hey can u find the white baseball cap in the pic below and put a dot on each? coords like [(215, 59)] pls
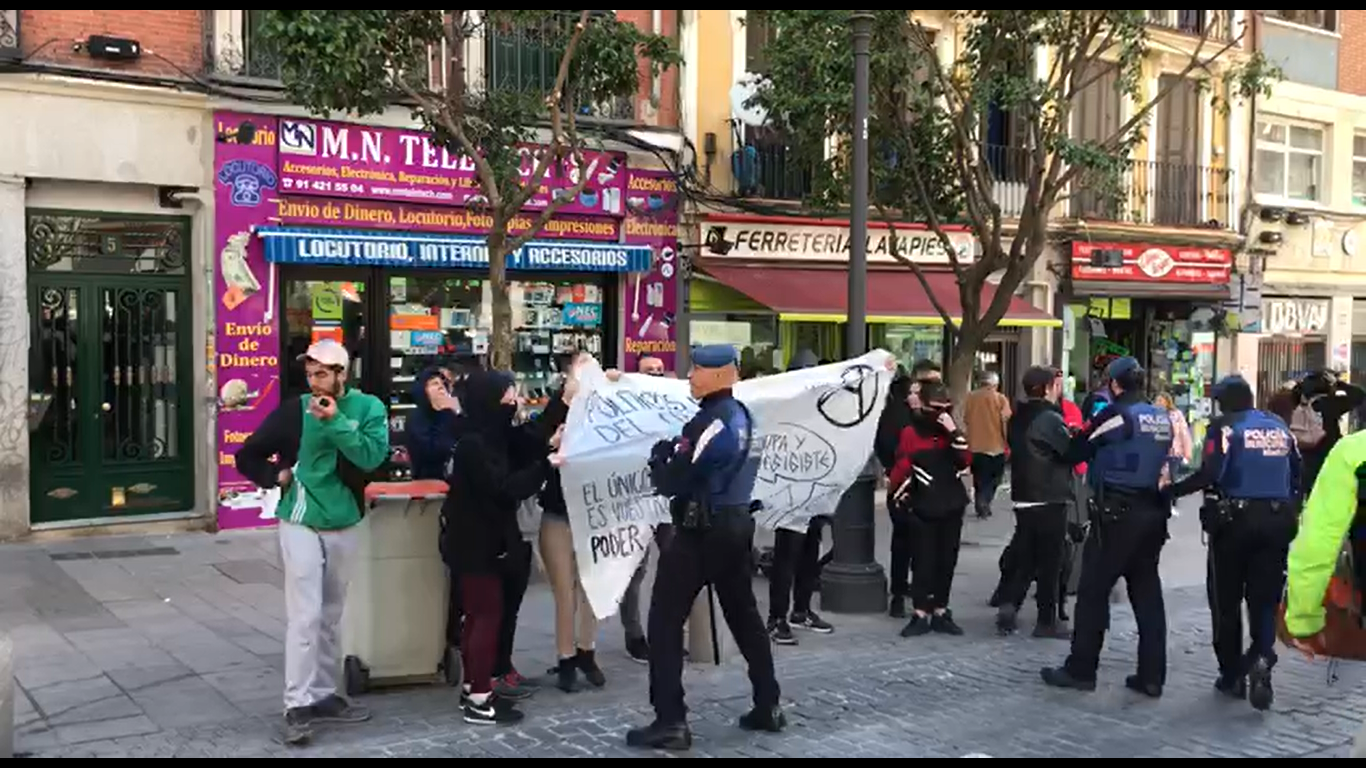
[(328, 352)]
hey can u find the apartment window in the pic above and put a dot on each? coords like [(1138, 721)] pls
[(1289, 161), (1324, 20), (1359, 171), (759, 32)]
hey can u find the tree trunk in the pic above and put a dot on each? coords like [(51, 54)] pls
[(500, 334), (958, 376)]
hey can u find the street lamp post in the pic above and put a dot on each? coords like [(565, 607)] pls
[(854, 582)]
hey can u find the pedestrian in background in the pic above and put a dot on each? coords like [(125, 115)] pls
[(985, 414), (1180, 456)]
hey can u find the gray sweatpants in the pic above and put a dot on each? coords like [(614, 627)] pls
[(317, 571), (1359, 746)]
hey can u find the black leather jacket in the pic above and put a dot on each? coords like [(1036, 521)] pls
[(1040, 470)]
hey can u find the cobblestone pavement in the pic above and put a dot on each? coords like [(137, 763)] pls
[(170, 647)]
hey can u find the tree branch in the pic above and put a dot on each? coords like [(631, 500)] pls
[(915, 267)]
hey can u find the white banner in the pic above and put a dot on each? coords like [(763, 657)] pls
[(815, 428)]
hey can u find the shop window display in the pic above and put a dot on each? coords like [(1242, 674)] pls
[(322, 309)]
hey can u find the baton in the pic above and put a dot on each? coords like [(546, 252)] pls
[(711, 613)]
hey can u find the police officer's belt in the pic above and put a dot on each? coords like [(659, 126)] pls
[(1259, 505)]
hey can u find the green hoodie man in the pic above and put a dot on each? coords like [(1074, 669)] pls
[(318, 449), (1325, 524)]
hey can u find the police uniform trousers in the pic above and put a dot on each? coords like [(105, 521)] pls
[(721, 556), (1246, 563), (1128, 545)]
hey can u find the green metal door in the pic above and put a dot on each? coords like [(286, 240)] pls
[(110, 362)]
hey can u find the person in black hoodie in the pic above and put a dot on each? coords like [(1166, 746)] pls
[(796, 565), (430, 433), (1040, 487), (902, 399), (488, 480)]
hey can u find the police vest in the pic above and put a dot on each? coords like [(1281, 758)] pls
[(1137, 462), (733, 483), (1257, 450)]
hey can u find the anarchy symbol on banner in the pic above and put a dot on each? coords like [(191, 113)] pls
[(851, 403)]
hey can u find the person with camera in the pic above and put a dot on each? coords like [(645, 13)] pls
[(928, 494), (708, 473), (1040, 487), (319, 450)]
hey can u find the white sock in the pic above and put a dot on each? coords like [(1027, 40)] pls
[(466, 687), (479, 699)]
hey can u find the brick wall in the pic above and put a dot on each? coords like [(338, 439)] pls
[(1352, 52), (172, 41), (665, 113)]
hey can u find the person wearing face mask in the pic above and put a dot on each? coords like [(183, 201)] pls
[(488, 480), (927, 490), (319, 449), (902, 403)]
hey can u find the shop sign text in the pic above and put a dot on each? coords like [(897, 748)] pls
[(806, 242), (1294, 316), (1148, 263)]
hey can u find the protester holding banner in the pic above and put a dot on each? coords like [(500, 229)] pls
[(637, 646), (927, 492), (576, 628), (487, 482), (796, 565), (709, 474)]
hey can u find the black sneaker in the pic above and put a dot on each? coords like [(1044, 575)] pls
[(943, 624), (781, 632), (1005, 620), (588, 665), (1232, 687), (494, 711), (335, 709), (1059, 677), (676, 737), (917, 626), (1057, 630), (769, 719), (567, 674), (299, 726), (513, 687), (1136, 684), (898, 607), (1259, 692), (638, 649), (812, 621)]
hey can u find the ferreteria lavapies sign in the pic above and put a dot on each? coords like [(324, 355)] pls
[(800, 239)]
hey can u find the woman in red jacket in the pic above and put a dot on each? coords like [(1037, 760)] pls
[(925, 481)]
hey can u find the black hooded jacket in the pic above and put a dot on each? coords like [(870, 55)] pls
[(430, 435), (493, 468), (1040, 446)]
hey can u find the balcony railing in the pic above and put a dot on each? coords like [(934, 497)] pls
[(1219, 23), (767, 171), (1161, 194), (1010, 174), (9, 36), (528, 59)]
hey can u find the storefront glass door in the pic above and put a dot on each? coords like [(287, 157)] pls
[(111, 419)]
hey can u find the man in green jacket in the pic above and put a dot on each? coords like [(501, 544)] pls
[(1324, 526), (317, 449)]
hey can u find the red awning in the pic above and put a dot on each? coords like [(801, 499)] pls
[(893, 295)]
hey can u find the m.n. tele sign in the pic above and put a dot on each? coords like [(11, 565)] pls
[(784, 238), (1146, 263)]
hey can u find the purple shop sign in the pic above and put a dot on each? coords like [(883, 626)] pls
[(355, 161), (245, 347), (651, 300)]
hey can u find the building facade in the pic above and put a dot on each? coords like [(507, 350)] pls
[(169, 216), (1306, 279), (1147, 274)]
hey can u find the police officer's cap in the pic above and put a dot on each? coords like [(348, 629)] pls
[(1231, 384), (1123, 366), (715, 356)]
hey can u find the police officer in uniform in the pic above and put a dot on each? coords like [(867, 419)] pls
[(1127, 445), (708, 473), (1250, 474)]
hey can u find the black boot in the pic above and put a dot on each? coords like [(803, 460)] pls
[(1259, 691), (567, 674), (898, 607), (770, 719), (588, 665), (659, 735)]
